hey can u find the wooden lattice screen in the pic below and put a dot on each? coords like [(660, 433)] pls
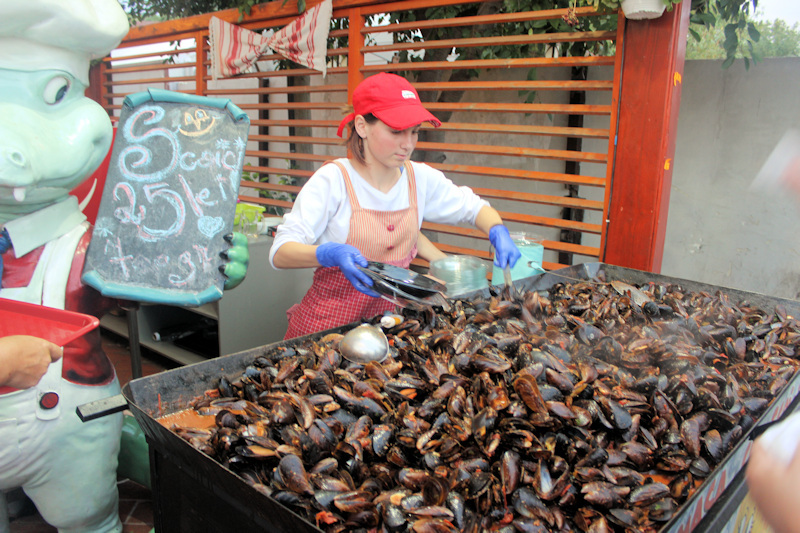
[(533, 135)]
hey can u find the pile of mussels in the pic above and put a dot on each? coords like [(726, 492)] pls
[(590, 407)]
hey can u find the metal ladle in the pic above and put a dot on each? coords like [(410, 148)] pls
[(364, 344)]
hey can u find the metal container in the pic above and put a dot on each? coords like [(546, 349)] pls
[(461, 274), (194, 493)]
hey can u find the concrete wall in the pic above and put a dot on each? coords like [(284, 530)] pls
[(719, 231)]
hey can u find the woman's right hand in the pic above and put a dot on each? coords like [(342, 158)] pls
[(348, 259)]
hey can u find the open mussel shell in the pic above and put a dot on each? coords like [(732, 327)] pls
[(364, 344)]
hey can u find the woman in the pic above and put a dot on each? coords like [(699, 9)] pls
[(371, 206)]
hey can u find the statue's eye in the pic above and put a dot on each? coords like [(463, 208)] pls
[(55, 90)]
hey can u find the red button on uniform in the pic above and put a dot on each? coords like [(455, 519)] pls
[(390, 247), (390, 227), (48, 400)]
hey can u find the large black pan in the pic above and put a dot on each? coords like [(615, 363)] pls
[(177, 466)]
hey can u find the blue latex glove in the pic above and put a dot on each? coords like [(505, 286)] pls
[(346, 257), (506, 252)]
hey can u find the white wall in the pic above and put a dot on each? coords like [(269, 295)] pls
[(719, 231)]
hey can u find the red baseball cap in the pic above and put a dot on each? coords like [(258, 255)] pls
[(392, 99)]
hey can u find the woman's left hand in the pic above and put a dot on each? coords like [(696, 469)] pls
[(506, 252)]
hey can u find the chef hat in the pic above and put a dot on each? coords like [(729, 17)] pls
[(59, 34)]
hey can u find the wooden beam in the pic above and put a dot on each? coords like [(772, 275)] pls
[(652, 69), (355, 60), (200, 61), (95, 89)]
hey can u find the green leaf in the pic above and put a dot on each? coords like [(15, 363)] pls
[(728, 61), (301, 6), (695, 35), (731, 39), (708, 19), (755, 35)]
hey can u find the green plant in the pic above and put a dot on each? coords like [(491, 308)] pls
[(739, 28)]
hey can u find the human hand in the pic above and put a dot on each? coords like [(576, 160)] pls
[(506, 252), (773, 487), (347, 258), (25, 359), (780, 173), (237, 257)]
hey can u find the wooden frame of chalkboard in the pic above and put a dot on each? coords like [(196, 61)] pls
[(169, 198)]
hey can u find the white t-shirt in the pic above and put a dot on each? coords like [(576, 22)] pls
[(322, 210)]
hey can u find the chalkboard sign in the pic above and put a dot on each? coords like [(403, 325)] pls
[(169, 198)]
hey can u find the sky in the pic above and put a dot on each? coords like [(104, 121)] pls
[(788, 10)]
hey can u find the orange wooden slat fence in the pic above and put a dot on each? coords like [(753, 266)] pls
[(506, 130)]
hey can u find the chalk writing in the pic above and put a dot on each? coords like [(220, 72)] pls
[(145, 145), (169, 197)]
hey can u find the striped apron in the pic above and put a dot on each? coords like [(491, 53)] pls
[(384, 236)]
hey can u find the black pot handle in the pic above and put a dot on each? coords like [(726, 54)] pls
[(98, 408)]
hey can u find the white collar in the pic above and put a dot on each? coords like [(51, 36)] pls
[(40, 227)]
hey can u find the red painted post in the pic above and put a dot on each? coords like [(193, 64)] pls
[(648, 119)]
